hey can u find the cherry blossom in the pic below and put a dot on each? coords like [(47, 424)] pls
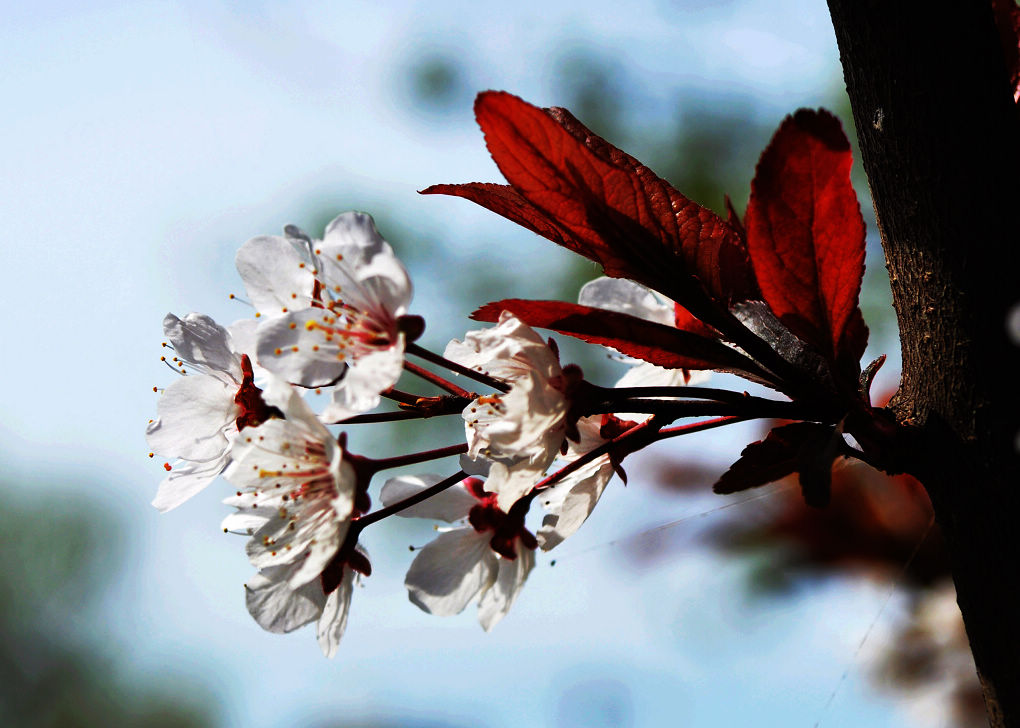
[(278, 607), (200, 414), (488, 560), (277, 274), (296, 490), (519, 432), (339, 316)]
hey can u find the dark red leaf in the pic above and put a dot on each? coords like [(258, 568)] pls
[(585, 194), (805, 234), (852, 345), (733, 218), (801, 447), (685, 321), (503, 200), (652, 342)]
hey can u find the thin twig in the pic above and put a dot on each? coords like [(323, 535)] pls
[(458, 368), (361, 523), (398, 396), (437, 380), (698, 426), (418, 457)]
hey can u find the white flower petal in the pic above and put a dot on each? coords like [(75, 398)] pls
[(451, 571), (498, 599), (278, 608), (371, 276), (365, 379), (571, 501), (506, 351), (311, 545), (195, 414), (294, 474), (242, 337), (333, 622), (185, 480), (246, 522), (204, 344), (520, 432), (475, 466), (293, 348), (644, 374), (275, 275), (511, 480), (526, 422), (625, 296), (450, 505)]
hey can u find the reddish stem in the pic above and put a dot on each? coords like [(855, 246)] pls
[(360, 524), (458, 368), (417, 457), (592, 455), (699, 426), (437, 380), (398, 396), (375, 417)]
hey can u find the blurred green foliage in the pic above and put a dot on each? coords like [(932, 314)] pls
[(60, 553)]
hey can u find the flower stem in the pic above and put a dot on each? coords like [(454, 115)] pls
[(458, 368), (361, 523), (375, 417), (418, 457), (592, 455), (698, 426), (630, 434), (398, 396), (437, 380), (746, 407), (719, 395)]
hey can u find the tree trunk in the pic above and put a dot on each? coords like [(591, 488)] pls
[(940, 140)]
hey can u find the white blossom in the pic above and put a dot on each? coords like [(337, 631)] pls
[(519, 432), (337, 318), (485, 561), (295, 492), (199, 414), (278, 607)]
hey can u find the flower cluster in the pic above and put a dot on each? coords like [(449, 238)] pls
[(687, 293)]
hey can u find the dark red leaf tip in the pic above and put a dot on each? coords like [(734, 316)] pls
[(824, 126)]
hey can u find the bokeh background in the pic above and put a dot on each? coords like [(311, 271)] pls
[(143, 142)]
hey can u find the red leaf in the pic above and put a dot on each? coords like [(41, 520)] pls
[(503, 200), (804, 447), (685, 321), (733, 218), (805, 234), (661, 345), (581, 192)]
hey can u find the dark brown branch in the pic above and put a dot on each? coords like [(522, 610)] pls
[(940, 141)]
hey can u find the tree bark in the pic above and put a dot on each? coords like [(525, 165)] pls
[(940, 140)]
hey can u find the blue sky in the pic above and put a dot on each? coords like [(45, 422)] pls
[(144, 142)]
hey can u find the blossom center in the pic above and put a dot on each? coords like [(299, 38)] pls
[(253, 410), (507, 528)]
